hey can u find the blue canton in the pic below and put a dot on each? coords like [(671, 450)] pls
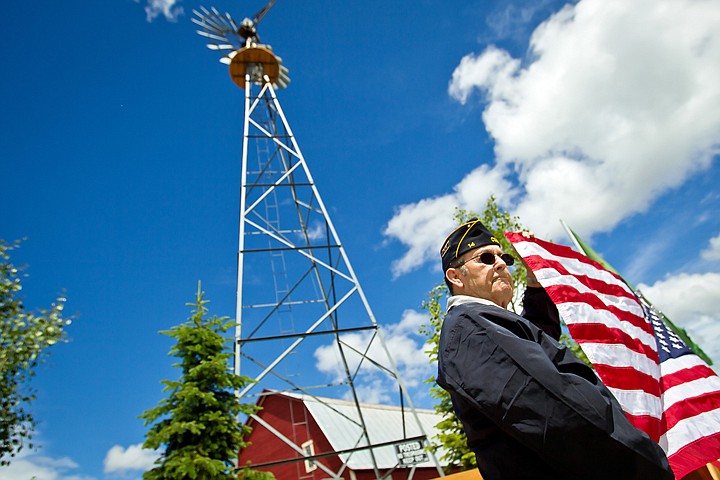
[(669, 345)]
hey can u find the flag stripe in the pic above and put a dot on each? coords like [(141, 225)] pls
[(691, 406), (695, 452), (598, 333), (637, 402), (687, 362), (693, 388), (568, 294), (686, 375), (628, 378), (620, 356), (646, 423)]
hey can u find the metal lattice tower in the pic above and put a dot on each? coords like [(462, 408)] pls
[(299, 302)]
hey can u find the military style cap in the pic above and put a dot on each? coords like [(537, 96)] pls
[(468, 236)]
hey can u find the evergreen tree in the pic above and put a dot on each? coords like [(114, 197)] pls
[(451, 436), (24, 340), (198, 424)]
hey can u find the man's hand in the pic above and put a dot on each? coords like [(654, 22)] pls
[(532, 281)]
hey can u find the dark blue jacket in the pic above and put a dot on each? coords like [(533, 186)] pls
[(529, 407)]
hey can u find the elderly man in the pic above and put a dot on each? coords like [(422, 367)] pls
[(530, 409)]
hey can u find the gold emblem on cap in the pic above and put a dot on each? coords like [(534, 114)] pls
[(494, 239), (471, 244)]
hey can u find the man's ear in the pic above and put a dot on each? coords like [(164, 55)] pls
[(452, 276)]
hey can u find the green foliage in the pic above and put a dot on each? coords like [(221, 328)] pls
[(574, 347), (197, 424), (451, 436), (24, 339), (248, 474)]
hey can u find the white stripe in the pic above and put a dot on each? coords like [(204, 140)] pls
[(693, 388), (672, 365), (637, 402), (573, 266), (618, 355), (689, 430), (550, 277), (579, 313)]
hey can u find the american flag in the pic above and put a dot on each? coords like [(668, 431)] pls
[(663, 387)]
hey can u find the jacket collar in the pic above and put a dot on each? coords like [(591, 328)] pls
[(456, 300)]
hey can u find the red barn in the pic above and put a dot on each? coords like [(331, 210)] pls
[(330, 432)]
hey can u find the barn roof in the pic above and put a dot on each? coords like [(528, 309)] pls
[(339, 422)]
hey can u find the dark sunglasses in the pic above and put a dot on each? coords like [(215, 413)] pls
[(488, 258)]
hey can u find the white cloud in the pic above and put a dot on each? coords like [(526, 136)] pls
[(615, 106), (510, 20), (168, 8), (27, 465), (402, 339), (713, 250), (422, 226), (134, 457), (690, 301), (316, 231)]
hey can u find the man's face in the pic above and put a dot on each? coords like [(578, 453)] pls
[(491, 282)]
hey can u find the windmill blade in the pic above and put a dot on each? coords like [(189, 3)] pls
[(259, 15), (212, 36), (222, 46), (221, 19), (206, 21), (228, 58), (209, 30), (232, 22), (212, 20)]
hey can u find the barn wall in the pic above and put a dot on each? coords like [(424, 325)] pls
[(289, 416)]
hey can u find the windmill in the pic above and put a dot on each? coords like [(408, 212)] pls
[(299, 304)]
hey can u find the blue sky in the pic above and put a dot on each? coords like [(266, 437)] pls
[(121, 156)]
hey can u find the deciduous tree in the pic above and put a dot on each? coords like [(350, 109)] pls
[(24, 340)]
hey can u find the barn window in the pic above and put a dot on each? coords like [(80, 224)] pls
[(308, 449)]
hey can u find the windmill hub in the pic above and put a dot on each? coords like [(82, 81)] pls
[(257, 60)]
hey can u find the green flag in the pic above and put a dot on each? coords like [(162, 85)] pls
[(586, 250)]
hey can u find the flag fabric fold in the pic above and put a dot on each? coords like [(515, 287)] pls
[(664, 388)]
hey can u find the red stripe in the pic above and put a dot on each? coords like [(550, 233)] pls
[(691, 406), (647, 424), (695, 455), (627, 378), (564, 293), (599, 333), (686, 375)]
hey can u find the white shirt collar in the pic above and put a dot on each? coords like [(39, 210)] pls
[(456, 300)]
